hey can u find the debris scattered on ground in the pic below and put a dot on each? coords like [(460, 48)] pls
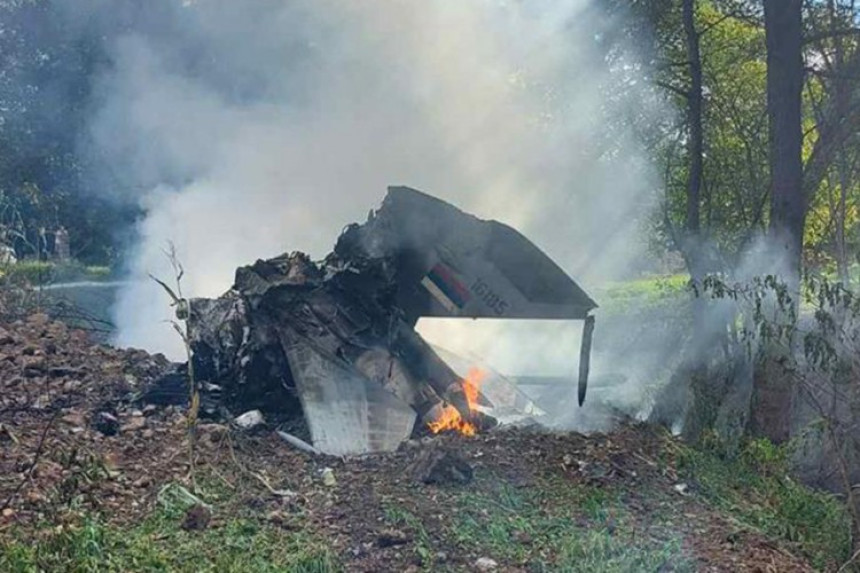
[(298, 443), (376, 517), (250, 419), (391, 538), (439, 466), (333, 343), (486, 564), (327, 476)]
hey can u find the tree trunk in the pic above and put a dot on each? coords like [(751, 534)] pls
[(695, 144), (783, 31), (772, 388), (841, 208), (841, 94)]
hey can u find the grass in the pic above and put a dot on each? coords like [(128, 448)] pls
[(552, 527), (643, 293), (45, 272), (551, 524), (596, 550), (242, 543), (755, 488)]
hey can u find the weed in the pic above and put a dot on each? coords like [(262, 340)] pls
[(584, 527), (598, 550), (159, 544), (396, 515), (755, 488)]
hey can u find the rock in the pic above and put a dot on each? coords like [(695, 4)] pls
[(250, 419), (142, 482), (5, 337), (35, 497), (328, 478), (134, 424), (75, 419), (197, 518), (35, 367), (106, 423), (60, 371), (38, 319), (486, 564), (71, 385), (6, 435), (392, 537)]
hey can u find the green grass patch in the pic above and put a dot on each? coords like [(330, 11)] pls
[(597, 550), (239, 544), (554, 526), (44, 273), (755, 488), (643, 293)]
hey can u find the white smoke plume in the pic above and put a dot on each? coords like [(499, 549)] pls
[(257, 127)]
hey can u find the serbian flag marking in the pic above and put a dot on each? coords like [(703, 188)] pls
[(444, 286)]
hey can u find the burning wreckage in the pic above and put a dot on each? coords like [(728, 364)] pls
[(334, 342)]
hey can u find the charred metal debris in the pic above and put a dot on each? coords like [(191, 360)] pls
[(334, 343)]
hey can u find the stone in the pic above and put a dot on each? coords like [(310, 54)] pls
[(250, 419), (106, 423), (134, 424), (391, 537), (328, 478)]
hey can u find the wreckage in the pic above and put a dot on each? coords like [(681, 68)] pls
[(335, 343)]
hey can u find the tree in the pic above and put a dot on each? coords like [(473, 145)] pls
[(788, 203)]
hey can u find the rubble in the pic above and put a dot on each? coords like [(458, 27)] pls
[(327, 476), (249, 420), (486, 564), (333, 343), (298, 443), (438, 466)]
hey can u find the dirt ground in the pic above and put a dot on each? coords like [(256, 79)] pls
[(75, 441)]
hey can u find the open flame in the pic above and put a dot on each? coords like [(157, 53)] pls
[(450, 418)]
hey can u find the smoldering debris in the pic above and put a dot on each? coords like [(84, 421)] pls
[(334, 343)]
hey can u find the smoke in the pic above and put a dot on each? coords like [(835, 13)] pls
[(249, 129)]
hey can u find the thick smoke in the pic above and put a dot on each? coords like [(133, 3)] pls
[(249, 129)]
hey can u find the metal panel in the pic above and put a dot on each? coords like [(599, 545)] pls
[(347, 413)]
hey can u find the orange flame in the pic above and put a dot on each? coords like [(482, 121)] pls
[(450, 418)]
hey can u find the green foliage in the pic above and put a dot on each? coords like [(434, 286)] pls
[(159, 544), (44, 273), (643, 293), (598, 550), (558, 526), (585, 528), (754, 487)]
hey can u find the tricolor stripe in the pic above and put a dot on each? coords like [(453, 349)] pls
[(444, 286)]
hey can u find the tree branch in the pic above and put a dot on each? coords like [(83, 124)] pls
[(676, 90)]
